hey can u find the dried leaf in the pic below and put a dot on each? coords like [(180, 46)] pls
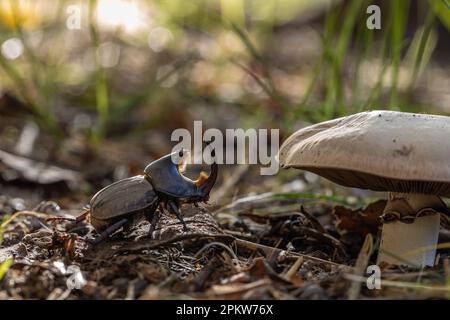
[(360, 221)]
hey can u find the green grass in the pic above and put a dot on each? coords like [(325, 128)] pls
[(316, 196), (334, 88), (4, 266), (399, 20), (2, 227), (37, 80), (423, 48), (101, 84)]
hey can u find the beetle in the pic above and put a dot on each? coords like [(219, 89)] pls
[(161, 186)]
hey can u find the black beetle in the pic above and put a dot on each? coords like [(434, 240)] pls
[(161, 186)]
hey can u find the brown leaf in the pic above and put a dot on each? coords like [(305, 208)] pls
[(360, 221)]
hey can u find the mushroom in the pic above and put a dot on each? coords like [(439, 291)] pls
[(405, 154)]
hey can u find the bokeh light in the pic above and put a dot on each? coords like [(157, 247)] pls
[(128, 16), (12, 48)]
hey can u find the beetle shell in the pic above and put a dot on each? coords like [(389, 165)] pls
[(120, 199)]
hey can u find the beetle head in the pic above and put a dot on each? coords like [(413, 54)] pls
[(166, 176)]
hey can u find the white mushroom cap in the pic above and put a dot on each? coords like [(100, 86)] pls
[(377, 150)]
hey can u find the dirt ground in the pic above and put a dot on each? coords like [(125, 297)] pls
[(256, 248)]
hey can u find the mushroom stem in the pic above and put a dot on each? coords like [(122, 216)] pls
[(411, 229)]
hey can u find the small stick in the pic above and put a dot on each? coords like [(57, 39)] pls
[(23, 213), (294, 268), (312, 219), (270, 250), (183, 237), (360, 266), (220, 244)]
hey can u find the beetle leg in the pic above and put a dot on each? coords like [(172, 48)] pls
[(108, 231), (174, 207), (154, 221)]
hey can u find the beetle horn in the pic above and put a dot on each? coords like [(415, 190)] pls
[(211, 180)]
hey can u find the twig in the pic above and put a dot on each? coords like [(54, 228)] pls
[(23, 213), (292, 270), (271, 250), (360, 266), (312, 219), (171, 241), (220, 244), (245, 199), (207, 271), (323, 237)]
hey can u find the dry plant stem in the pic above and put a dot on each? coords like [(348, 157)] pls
[(270, 251), (360, 266), (312, 219), (220, 244), (23, 213), (291, 272), (323, 237), (206, 273), (148, 245)]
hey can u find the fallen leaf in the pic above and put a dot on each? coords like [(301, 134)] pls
[(360, 221)]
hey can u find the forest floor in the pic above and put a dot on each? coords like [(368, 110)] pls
[(258, 247)]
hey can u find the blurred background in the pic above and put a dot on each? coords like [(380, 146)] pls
[(90, 91)]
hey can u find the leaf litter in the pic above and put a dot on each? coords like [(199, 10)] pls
[(303, 252)]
